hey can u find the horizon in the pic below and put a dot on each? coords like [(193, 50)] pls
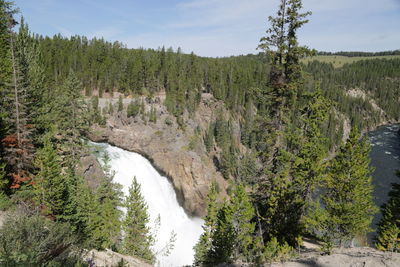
[(216, 28)]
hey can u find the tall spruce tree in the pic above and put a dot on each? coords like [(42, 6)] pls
[(228, 230), (70, 117), (203, 246), (137, 236), (348, 198), (389, 226), (277, 191), (5, 74), (107, 220), (18, 142), (49, 183)]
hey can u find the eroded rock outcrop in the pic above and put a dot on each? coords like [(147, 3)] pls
[(110, 258), (177, 153), (90, 169), (349, 257)]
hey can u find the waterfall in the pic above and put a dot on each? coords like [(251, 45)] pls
[(161, 199)]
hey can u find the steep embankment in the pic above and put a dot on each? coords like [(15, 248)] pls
[(349, 257), (180, 154)]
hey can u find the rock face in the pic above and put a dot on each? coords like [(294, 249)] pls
[(178, 154), (351, 257), (90, 169), (110, 258)]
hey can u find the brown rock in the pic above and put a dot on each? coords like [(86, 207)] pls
[(178, 154), (91, 170)]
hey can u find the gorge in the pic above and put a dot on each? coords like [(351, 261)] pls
[(162, 200)]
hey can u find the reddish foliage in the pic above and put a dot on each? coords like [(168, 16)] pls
[(10, 140), (17, 180)]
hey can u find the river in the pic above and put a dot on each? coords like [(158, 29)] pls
[(385, 158)]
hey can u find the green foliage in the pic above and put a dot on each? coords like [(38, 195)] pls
[(37, 241), (389, 226), (209, 138), (110, 108), (49, 184), (247, 170), (95, 110), (153, 115), (347, 197), (203, 246), (133, 109), (228, 230), (106, 220), (137, 236), (274, 251), (120, 104)]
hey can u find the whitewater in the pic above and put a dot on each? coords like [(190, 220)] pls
[(161, 200)]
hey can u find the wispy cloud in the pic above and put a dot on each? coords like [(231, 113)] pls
[(218, 27)]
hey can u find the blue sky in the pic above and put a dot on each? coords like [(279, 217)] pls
[(216, 27)]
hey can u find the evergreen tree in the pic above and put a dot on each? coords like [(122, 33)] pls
[(106, 222), (203, 246), (389, 226), (120, 104), (69, 115), (49, 184), (277, 189), (243, 214), (110, 108), (348, 198), (133, 109), (137, 237), (223, 239), (6, 10), (18, 142), (228, 230), (209, 138), (153, 115)]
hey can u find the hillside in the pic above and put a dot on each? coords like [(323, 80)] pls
[(338, 60)]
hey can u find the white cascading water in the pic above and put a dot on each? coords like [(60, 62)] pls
[(161, 200)]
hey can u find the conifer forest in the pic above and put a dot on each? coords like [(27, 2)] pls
[(288, 136)]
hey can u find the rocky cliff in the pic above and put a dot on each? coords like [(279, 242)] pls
[(177, 153)]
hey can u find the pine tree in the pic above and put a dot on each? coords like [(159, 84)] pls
[(18, 142), (69, 115), (203, 246), (49, 184), (223, 238), (348, 198), (6, 10), (120, 104), (389, 226), (5, 66), (243, 214), (153, 115), (137, 237), (276, 189), (110, 108), (209, 138), (228, 230), (106, 222)]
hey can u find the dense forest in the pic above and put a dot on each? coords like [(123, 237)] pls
[(360, 54), (291, 122)]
